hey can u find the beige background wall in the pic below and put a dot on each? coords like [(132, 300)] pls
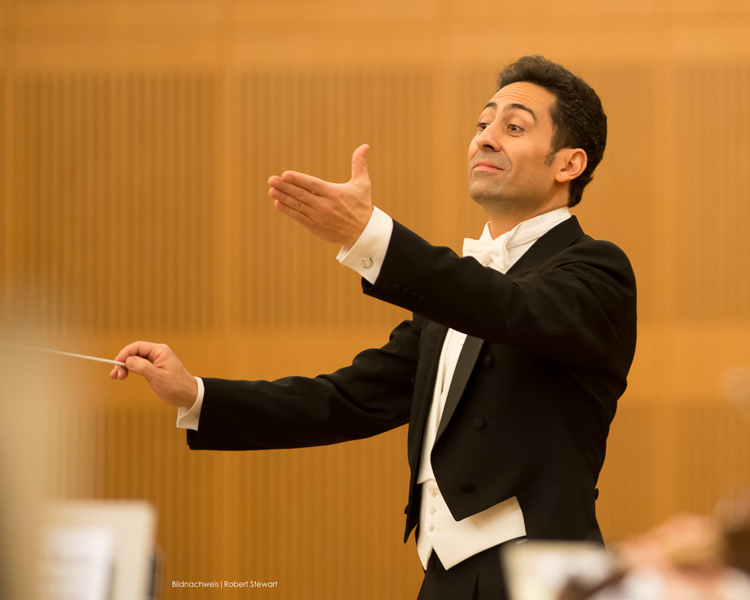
[(136, 139)]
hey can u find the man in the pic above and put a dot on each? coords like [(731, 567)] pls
[(509, 371)]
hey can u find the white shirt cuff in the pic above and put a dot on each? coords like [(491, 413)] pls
[(188, 418), (367, 254)]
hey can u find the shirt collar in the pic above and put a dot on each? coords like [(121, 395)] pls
[(527, 231), (502, 252)]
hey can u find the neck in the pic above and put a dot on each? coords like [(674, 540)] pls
[(504, 216), (502, 221), (500, 224)]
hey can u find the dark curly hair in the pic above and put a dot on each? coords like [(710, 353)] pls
[(577, 116)]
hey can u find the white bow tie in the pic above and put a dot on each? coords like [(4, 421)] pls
[(487, 253), (502, 252)]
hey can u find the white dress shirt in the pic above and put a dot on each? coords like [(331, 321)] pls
[(453, 541)]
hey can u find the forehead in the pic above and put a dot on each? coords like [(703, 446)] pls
[(523, 93)]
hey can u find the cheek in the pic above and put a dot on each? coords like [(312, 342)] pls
[(529, 160)]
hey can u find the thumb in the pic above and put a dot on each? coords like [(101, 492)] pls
[(139, 366), (359, 162)]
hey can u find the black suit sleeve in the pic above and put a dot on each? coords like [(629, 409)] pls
[(572, 304), (370, 396)]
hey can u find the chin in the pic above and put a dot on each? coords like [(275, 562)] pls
[(485, 201), (482, 195)]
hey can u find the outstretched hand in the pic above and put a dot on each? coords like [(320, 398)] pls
[(158, 365), (334, 212)]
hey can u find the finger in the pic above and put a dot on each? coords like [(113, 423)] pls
[(136, 349), (293, 195), (118, 372), (300, 204), (281, 196), (359, 163), (284, 185), (292, 213), (314, 185), (140, 366), (288, 205)]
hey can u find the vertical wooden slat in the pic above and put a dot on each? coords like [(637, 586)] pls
[(5, 216), (713, 150), (96, 255)]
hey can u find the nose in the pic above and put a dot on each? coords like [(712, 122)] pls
[(486, 139)]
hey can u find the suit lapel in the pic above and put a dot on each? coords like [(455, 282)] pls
[(464, 366), (434, 338), (546, 246), (552, 242)]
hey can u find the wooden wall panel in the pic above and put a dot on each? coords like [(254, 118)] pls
[(117, 175), (6, 248), (712, 179), (137, 138), (714, 447), (621, 203), (664, 458), (629, 482)]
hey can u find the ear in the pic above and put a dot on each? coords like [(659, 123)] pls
[(572, 163)]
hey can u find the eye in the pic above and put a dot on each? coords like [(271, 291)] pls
[(481, 126), (513, 128)]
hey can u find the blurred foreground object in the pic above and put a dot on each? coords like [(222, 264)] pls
[(53, 546), (736, 384), (733, 513), (683, 558), (538, 570), (98, 550), (688, 557), (26, 422)]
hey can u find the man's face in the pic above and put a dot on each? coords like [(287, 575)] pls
[(510, 165)]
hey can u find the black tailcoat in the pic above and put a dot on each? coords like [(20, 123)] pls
[(549, 348)]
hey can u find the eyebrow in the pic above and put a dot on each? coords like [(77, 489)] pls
[(513, 106)]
